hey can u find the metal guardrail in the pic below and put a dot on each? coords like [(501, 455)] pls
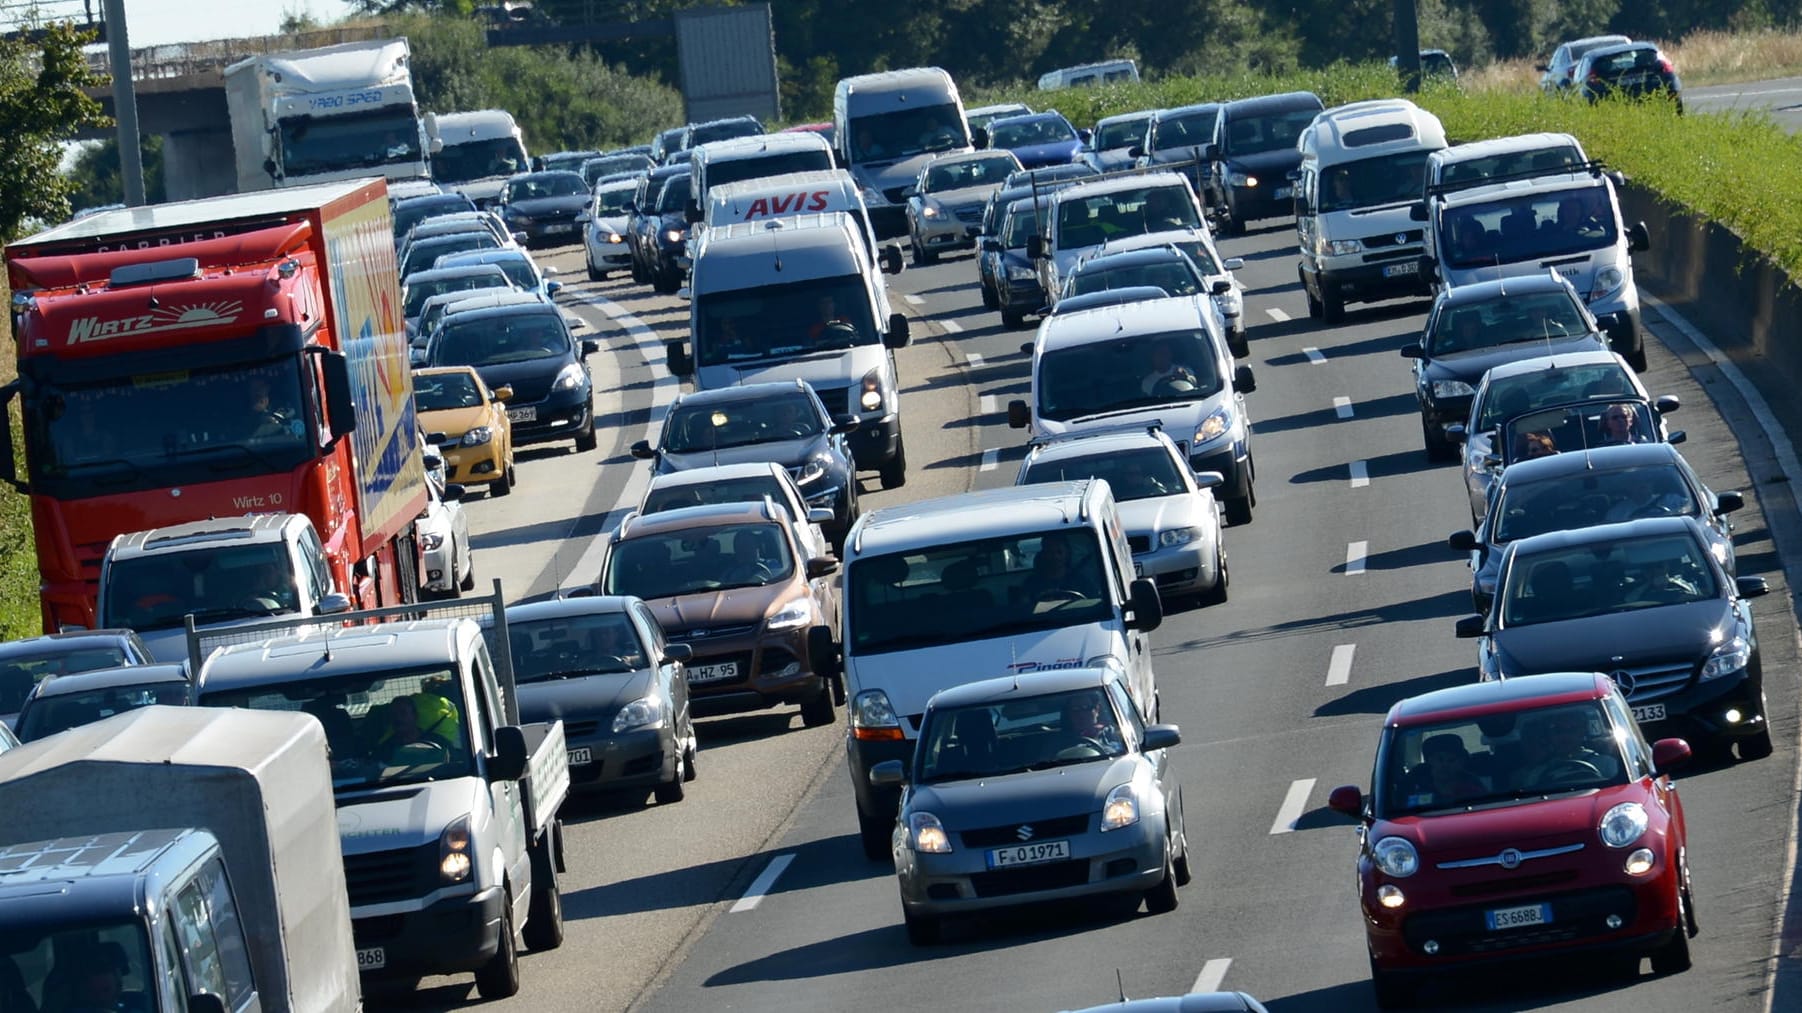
[(192, 59)]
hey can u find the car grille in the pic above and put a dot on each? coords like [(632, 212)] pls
[(580, 729), (1409, 238), (700, 638), (1574, 916), (895, 195), (1653, 682), (968, 215), (379, 877), (1029, 879), (1042, 830), (1514, 884), (1138, 543)]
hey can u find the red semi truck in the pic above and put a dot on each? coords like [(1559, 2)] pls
[(235, 355)]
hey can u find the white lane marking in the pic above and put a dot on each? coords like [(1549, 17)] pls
[(974, 359), (1314, 355), (1338, 670), (913, 300), (991, 459), (951, 326), (1212, 974), (990, 405), (1354, 558), (1293, 805), (1277, 315), (761, 885), (1342, 407), (1360, 474)]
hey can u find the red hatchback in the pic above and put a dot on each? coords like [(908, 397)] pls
[(1517, 818)]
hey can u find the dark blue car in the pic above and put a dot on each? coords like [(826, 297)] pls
[(1038, 139)]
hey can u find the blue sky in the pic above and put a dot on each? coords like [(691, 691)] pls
[(159, 22)]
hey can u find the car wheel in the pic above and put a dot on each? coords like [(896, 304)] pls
[(1332, 305), (1162, 899), (503, 485), (1756, 747), (1012, 319), (1637, 360), (1392, 991), (1238, 509), (922, 930), (989, 300), (817, 712), (1238, 344), (675, 789), (894, 471), (1673, 957), (1183, 872), (1438, 448), (499, 978), (688, 759), (544, 922), (586, 438), (468, 582), (595, 275), (1216, 595), (875, 834)]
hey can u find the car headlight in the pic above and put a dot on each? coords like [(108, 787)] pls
[(1727, 659), (813, 469), (1608, 281), (1178, 536), (1343, 247), (795, 614), (1215, 425), (476, 437), (1453, 388), (1396, 857), (871, 397), (930, 210), (873, 717), (644, 712), (673, 235), (612, 237), (1017, 273), (928, 834), (1623, 824), (455, 863), (1241, 179), (570, 377), (1121, 808), (431, 541)]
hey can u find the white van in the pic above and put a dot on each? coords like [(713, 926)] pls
[(474, 152), (793, 194), (1162, 362), (718, 163), (1478, 163), (887, 126), (948, 591), (1362, 170), (800, 298), (1090, 74)]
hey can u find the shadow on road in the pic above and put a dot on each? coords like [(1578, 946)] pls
[(1378, 699)]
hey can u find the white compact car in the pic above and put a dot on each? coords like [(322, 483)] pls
[(446, 567)]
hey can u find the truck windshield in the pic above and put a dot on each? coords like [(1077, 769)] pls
[(1123, 374), (1529, 227), (736, 170), (994, 587), (907, 132), (154, 430), (783, 321), (383, 729), (94, 964), (315, 144), (467, 160), (1372, 182), (215, 584)]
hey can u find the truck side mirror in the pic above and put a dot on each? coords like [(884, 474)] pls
[(1035, 247), (676, 357), (899, 332), (890, 259), (1147, 606), (1417, 211), (1017, 414), (1211, 152), (821, 566), (1638, 238), (340, 407), (692, 213), (1243, 380), (508, 762)]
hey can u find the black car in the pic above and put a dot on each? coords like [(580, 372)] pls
[(25, 663), (1016, 290), (527, 347), (413, 210), (1604, 485), (1647, 603), (1633, 70), (1475, 327), (659, 229), (542, 206), (62, 702), (1178, 138), (784, 423), (723, 129), (1251, 155), (602, 667)]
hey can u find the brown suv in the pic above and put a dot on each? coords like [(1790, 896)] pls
[(732, 581)]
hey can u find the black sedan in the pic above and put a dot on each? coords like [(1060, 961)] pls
[(1647, 603), (528, 348), (601, 666), (783, 423), (542, 206), (1475, 327), (658, 229)]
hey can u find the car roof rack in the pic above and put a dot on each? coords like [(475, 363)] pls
[(1151, 428), (1594, 167)]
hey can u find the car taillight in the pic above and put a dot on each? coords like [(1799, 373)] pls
[(1665, 66)]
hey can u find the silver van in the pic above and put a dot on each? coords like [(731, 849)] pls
[(887, 126), (717, 163)]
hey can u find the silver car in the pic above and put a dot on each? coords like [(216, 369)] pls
[(944, 206), (1046, 786)]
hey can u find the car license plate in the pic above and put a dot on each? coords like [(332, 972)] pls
[(372, 959), (713, 673), (522, 415), (1138, 568), (1649, 712), (1283, 193), (1399, 269), (1519, 917), (580, 757), (560, 227), (1029, 854)]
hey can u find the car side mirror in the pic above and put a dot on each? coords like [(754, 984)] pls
[(678, 652), (1026, 347), (823, 652), (1669, 754), (676, 357), (508, 761), (503, 393), (842, 428), (1542, 68), (1146, 604), (1085, 135), (1221, 287), (1160, 737), (1638, 239), (1018, 415), (979, 138), (590, 346), (552, 287), (1471, 627), (821, 566), (819, 515), (900, 332), (1414, 351), (206, 1002), (1211, 152), (1243, 380), (888, 774), (642, 450), (1455, 433), (1136, 151), (1666, 404), (1729, 501), (1293, 176), (1417, 211), (1676, 437), (333, 602), (890, 259), (453, 493), (991, 245), (1035, 247), (1462, 541), (519, 238), (1347, 800), (1209, 479), (910, 191), (1232, 264), (1751, 587)]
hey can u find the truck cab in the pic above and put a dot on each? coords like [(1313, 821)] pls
[(887, 126), (474, 152)]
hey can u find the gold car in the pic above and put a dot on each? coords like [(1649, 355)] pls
[(467, 422)]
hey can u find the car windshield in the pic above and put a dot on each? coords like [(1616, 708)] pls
[(316, 144), (733, 490), (545, 184), (783, 321), (383, 729), (409, 213), (983, 119), (736, 170), (673, 195), (1021, 734), (1529, 227), (442, 391), (1505, 397), (1470, 172), (1278, 130), (1134, 474), (908, 132), (497, 339), (1597, 423), (1498, 759), (1124, 374), (1201, 254), (1175, 276), (1373, 182), (612, 200), (48, 715), (714, 558), (1021, 225), (515, 265), (595, 168), (1592, 497), (1026, 179), (1093, 220), (1123, 134), (978, 590), (1508, 320), (968, 172), (424, 254), (1184, 130), (419, 291), (470, 160), (64, 954), (1632, 573), (214, 584), (698, 428), (1038, 130), (19, 672), (563, 647)]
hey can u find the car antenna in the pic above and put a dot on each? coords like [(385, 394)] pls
[(1120, 984)]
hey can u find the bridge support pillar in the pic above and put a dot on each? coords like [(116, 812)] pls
[(198, 163)]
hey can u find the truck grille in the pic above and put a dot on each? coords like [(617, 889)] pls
[(379, 877), (1410, 237), (837, 401)]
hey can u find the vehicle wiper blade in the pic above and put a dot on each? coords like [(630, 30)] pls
[(960, 775), (1049, 764)]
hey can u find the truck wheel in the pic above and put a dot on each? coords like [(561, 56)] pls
[(894, 473), (817, 712), (544, 922), (1332, 305), (499, 978), (586, 438)]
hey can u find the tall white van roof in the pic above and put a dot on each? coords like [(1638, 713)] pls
[(477, 125), (777, 251), (988, 513), (1122, 320), (895, 82), (757, 145), (1363, 129)]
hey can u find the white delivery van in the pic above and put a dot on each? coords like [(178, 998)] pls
[(474, 152), (1479, 163), (889, 125), (793, 194), (800, 299), (718, 163), (1090, 74), (1362, 171), (988, 584)]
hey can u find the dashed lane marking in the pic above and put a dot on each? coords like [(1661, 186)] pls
[(1360, 474), (1277, 315), (1354, 558), (761, 885), (1338, 670), (1342, 407), (991, 459), (1294, 804), (1314, 355), (1212, 974)]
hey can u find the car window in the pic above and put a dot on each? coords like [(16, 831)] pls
[(735, 490), (420, 291), (1370, 182), (704, 427), (586, 643), (1260, 132), (1020, 227), (1563, 428), (1592, 497), (1024, 733), (1472, 172), (1039, 130), (1093, 220), (1185, 130), (440, 391), (1175, 277), (48, 715), (1511, 319), (1132, 724), (1505, 397), (1508, 756), (967, 173), (1529, 227), (501, 339), (1124, 134), (1132, 474), (19, 673), (1626, 731), (1651, 571)]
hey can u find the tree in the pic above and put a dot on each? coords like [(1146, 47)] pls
[(96, 175), (41, 106)]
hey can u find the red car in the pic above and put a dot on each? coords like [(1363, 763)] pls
[(1518, 818)]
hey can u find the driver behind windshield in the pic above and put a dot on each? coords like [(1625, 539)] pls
[(1555, 752), (1165, 369), (1089, 724), (420, 728)]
